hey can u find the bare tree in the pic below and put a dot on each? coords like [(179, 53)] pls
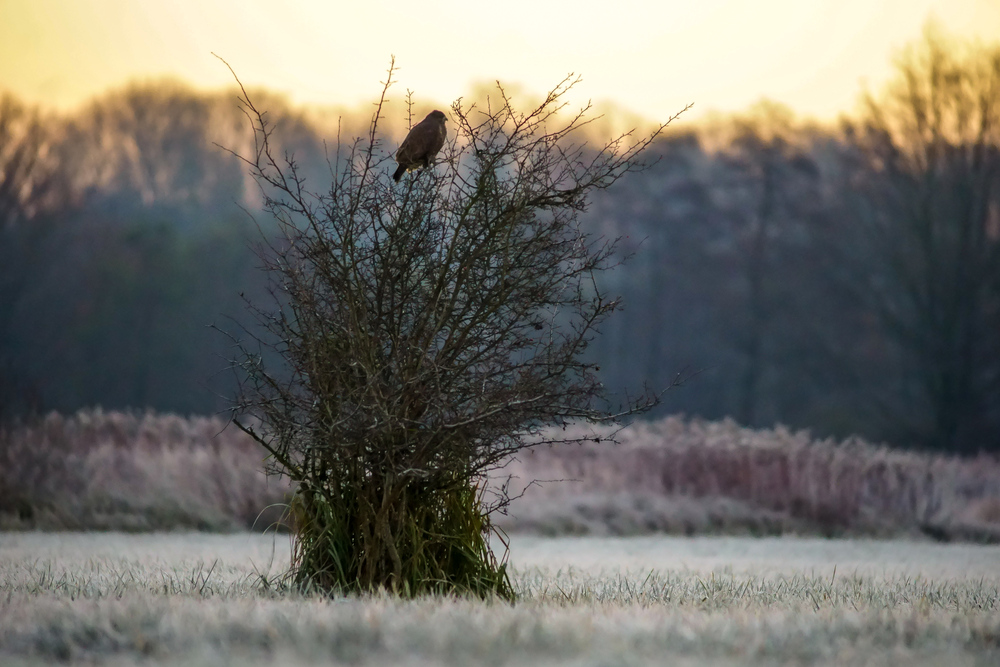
[(428, 332), (764, 195), (925, 192), (30, 185)]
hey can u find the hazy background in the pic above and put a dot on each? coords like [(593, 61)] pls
[(815, 260)]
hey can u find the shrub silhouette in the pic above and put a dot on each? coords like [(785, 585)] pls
[(425, 332)]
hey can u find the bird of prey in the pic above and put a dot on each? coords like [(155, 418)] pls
[(421, 145)]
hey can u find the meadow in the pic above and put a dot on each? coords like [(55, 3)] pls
[(209, 599), (684, 542)]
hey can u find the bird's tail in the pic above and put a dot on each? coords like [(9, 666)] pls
[(400, 170)]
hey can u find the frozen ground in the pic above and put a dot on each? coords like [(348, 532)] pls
[(201, 599), (760, 556)]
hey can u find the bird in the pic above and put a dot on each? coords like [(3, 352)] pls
[(421, 144)]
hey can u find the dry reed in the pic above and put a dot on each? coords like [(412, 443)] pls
[(145, 471)]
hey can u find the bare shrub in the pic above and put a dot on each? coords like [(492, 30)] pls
[(424, 333)]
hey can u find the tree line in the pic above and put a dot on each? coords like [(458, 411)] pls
[(843, 278)]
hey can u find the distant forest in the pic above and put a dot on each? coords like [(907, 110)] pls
[(844, 279)]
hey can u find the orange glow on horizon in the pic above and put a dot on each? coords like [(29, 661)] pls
[(650, 58)]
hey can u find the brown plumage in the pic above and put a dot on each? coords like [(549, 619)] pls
[(421, 145)]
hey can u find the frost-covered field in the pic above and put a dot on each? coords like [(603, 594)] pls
[(202, 599)]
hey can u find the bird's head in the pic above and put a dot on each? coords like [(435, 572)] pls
[(437, 115)]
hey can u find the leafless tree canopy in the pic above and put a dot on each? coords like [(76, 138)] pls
[(926, 201)]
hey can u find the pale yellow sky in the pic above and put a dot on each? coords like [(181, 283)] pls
[(649, 56)]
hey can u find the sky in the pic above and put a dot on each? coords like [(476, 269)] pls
[(650, 57)]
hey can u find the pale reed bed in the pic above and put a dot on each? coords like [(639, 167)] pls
[(146, 471)]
